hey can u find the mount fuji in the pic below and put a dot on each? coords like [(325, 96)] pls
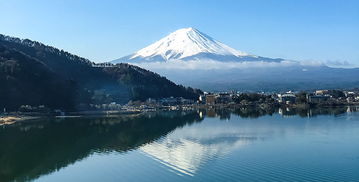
[(190, 57), (190, 44)]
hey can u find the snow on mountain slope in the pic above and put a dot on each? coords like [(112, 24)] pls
[(189, 44), (186, 42)]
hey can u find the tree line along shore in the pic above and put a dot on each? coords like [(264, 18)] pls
[(299, 100)]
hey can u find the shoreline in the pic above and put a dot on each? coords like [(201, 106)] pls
[(10, 119)]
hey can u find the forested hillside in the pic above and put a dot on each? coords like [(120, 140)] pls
[(32, 73)]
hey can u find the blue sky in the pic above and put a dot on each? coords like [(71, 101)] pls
[(309, 30)]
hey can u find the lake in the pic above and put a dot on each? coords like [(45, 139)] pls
[(207, 145)]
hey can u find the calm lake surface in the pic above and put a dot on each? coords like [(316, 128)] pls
[(242, 145)]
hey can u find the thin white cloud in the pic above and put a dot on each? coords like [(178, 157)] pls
[(340, 64), (218, 65), (212, 65)]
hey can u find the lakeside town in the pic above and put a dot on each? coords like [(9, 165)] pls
[(222, 100), (318, 98)]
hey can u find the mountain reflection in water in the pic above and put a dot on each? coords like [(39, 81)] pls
[(30, 150)]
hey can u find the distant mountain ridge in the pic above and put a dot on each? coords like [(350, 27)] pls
[(190, 44), (32, 73)]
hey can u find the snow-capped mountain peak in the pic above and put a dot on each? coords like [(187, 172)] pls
[(184, 43), (187, 44)]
